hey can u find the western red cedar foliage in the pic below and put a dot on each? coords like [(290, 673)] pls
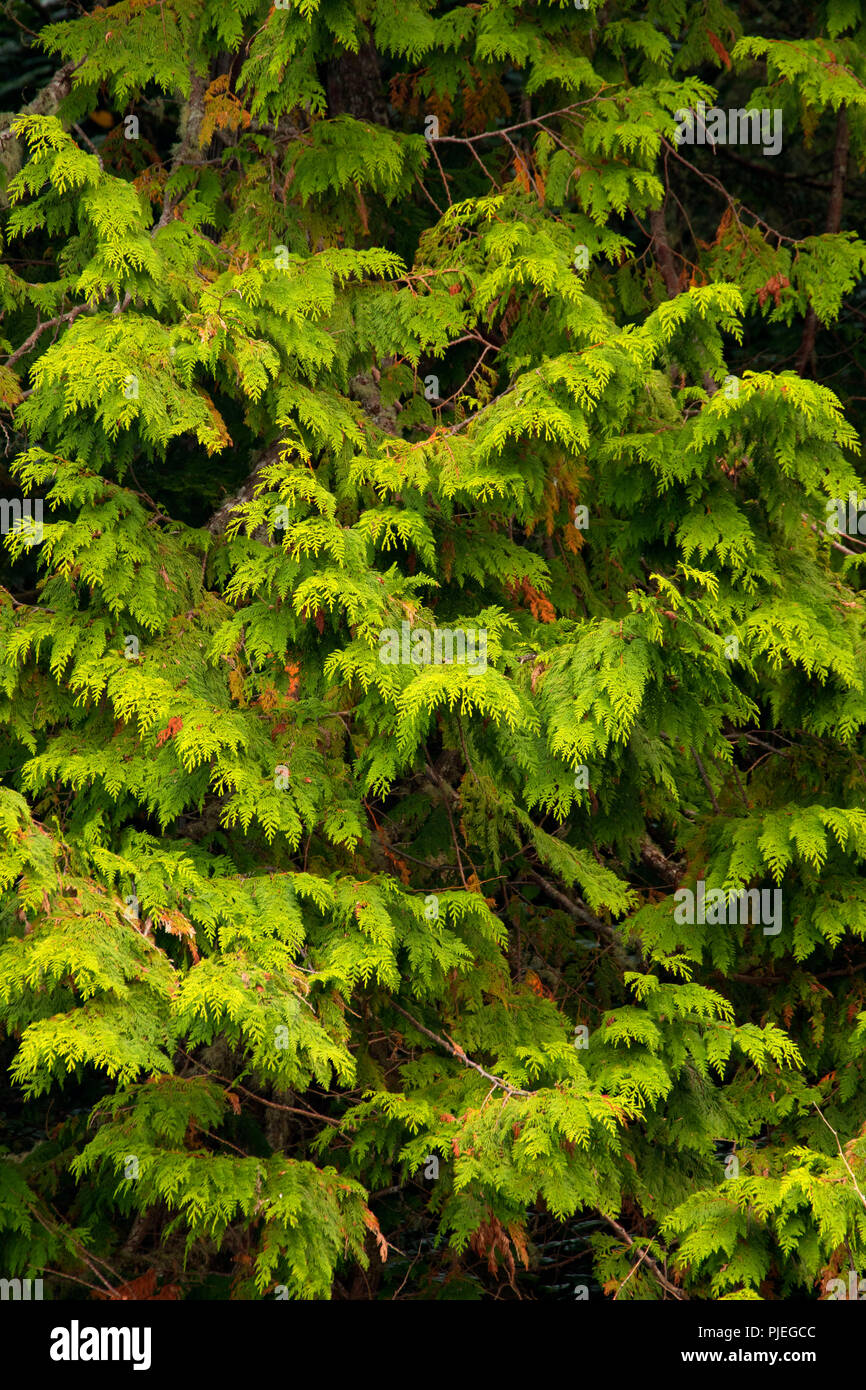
[(430, 600)]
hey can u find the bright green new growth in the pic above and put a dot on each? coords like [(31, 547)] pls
[(291, 919)]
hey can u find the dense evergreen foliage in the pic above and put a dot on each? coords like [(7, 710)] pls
[(430, 598)]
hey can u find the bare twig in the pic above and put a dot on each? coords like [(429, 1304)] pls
[(705, 779), (580, 911), (651, 1263), (40, 329), (842, 1156), (461, 1055)]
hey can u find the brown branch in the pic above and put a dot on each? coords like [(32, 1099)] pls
[(651, 1264), (664, 255), (658, 861), (843, 1158), (733, 203), (582, 914), (705, 779), (221, 517), (806, 349), (450, 792), (757, 742), (83, 1254), (663, 252), (837, 545), (461, 1055), (786, 979), (272, 1104), (40, 328), (187, 149), (87, 140), (59, 1274), (521, 125)]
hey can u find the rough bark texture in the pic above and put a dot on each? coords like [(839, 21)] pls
[(354, 85), (45, 103), (187, 150), (663, 253)]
